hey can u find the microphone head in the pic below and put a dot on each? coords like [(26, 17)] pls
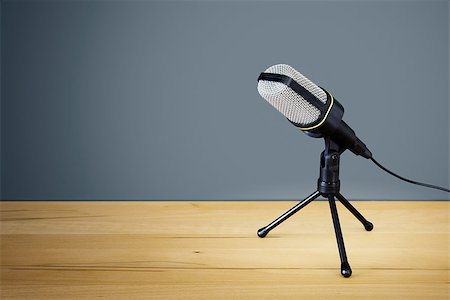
[(302, 102), (309, 107)]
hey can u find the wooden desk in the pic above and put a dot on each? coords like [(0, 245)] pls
[(209, 250)]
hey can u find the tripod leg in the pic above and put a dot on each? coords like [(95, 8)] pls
[(346, 271), (265, 230), (367, 225)]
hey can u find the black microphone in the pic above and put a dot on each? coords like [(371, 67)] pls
[(309, 107), (315, 111)]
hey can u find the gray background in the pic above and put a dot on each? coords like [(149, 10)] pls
[(158, 100)]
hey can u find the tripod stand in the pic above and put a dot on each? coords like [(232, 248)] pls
[(327, 186)]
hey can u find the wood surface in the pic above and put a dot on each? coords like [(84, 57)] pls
[(209, 250)]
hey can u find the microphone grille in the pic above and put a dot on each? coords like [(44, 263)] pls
[(291, 104)]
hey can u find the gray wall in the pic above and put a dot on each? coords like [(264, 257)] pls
[(158, 100)]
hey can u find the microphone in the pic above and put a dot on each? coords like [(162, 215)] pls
[(315, 111), (309, 107)]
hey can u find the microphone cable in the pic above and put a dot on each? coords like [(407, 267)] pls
[(409, 180)]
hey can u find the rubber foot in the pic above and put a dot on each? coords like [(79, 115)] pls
[(262, 232), (346, 271), (368, 226)]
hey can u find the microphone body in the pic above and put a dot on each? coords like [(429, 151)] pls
[(309, 107), (346, 137)]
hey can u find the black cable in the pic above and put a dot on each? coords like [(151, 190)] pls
[(409, 180)]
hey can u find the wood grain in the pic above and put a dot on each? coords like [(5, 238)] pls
[(209, 250)]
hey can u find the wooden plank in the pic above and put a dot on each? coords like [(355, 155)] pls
[(213, 218), (419, 251), (224, 284), (209, 250)]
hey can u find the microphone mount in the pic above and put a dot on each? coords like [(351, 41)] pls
[(328, 186)]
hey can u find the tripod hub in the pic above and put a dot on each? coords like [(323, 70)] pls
[(328, 182)]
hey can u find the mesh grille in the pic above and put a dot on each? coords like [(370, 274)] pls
[(286, 101)]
